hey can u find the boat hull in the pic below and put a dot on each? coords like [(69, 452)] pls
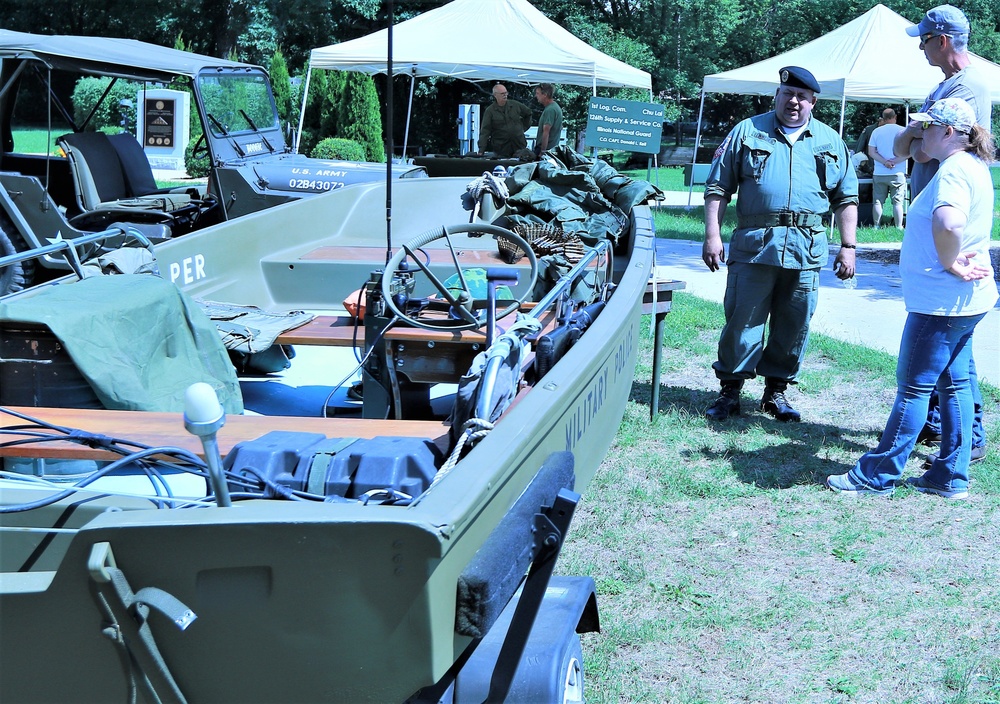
[(299, 601)]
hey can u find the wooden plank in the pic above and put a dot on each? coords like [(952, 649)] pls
[(664, 295), (327, 330), (167, 429), (338, 331), (436, 255)]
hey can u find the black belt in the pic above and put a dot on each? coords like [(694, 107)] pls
[(780, 220)]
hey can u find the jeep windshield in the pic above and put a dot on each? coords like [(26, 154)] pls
[(240, 110)]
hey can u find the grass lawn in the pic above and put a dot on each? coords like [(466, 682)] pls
[(727, 572)]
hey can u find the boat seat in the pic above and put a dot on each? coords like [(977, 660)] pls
[(114, 182)]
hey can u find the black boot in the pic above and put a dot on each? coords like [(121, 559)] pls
[(775, 403), (728, 403)]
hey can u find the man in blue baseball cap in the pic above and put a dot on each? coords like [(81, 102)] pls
[(944, 39), (943, 20), (790, 171)]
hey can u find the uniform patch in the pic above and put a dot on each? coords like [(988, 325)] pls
[(722, 147)]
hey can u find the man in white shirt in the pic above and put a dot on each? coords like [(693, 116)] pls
[(889, 178)]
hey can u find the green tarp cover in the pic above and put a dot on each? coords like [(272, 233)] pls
[(582, 196), (137, 339)]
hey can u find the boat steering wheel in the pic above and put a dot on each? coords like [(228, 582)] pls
[(454, 311)]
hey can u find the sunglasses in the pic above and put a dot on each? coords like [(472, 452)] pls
[(924, 38), (931, 123)]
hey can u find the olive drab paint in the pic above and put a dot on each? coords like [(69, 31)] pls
[(591, 401)]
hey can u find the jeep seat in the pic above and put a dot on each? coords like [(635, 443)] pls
[(114, 182)]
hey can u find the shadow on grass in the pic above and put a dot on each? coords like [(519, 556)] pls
[(803, 457)]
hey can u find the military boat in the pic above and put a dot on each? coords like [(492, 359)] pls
[(393, 541)]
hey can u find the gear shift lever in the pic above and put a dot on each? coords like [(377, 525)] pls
[(203, 416)]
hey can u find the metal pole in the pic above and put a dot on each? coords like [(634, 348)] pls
[(697, 138), (302, 112), (409, 110), (389, 139)]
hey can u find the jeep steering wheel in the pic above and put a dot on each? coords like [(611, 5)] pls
[(453, 311), (200, 148)]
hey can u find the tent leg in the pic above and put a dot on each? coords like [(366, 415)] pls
[(302, 112), (697, 139)]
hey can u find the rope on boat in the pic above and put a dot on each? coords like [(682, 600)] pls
[(469, 434), (488, 183)]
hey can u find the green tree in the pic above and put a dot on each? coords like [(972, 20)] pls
[(361, 115), (281, 84), (312, 131), (332, 108), (109, 114)]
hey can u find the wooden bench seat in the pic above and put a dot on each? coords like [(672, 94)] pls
[(339, 331), (325, 330), (167, 429)]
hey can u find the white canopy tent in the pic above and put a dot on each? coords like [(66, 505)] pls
[(870, 59), (482, 40)]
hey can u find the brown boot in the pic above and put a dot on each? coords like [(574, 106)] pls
[(728, 402), (775, 403)]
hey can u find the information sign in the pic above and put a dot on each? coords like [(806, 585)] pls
[(159, 123), (624, 124)]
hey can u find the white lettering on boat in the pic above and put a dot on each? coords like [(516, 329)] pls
[(587, 408), (590, 404), (188, 270)]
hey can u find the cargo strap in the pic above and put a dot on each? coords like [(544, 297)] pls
[(126, 624), (786, 219)]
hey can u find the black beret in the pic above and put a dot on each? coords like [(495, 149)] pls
[(798, 78)]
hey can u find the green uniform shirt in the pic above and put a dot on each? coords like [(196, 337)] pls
[(502, 128), (812, 176)]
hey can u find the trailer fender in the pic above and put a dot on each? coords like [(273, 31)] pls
[(551, 667)]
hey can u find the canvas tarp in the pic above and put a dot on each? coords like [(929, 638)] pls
[(870, 59), (483, 40), (108, 56)]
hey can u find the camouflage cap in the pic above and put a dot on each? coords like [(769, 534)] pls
[(953, 112)]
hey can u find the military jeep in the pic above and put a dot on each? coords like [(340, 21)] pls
[(95, 182)]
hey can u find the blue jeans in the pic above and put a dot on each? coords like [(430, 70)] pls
[(934, 353), (933, 424)]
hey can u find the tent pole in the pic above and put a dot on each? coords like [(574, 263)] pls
[(656, 157), (593, 92), (409, 111), (389, 137), (843, 106), (697, 138), (302, 112)]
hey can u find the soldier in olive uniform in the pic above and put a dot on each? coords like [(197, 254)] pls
[(790, 170), (503, 125)]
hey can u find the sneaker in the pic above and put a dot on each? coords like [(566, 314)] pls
[(843, 484), (925, 487), (978, 454)]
